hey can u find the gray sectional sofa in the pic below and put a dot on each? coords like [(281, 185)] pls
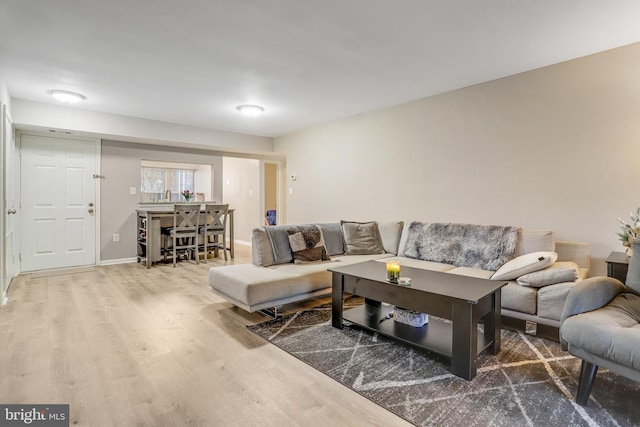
[(546, 269)]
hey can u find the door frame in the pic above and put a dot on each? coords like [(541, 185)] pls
[(280, 208), (97, 176), (11, 258), (4, 283)]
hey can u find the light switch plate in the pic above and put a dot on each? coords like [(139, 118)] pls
[(132, 190)]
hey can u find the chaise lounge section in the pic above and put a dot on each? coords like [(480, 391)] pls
[(540, 271), (268, 283)]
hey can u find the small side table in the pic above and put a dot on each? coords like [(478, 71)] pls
[(617, 266)]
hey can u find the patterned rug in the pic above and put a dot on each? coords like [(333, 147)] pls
[(532, 382)]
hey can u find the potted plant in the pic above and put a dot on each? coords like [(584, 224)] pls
[(629, 232), (188, 195)]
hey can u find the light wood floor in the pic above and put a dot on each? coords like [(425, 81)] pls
[(124, 345)]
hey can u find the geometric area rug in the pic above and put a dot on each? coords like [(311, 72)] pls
[(531, 382)]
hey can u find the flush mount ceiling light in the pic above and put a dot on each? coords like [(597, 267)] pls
[(67, 97), (250, 110)]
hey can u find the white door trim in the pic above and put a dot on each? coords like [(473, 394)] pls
[(4, 285), (11, 201), (98, 149), (98, 143), (279, 191)]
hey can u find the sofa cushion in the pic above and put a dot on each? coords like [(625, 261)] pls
[(632, 281), (390, 232), (610, 333), (333, 240), (471, 272), (361, 238), (262, 253), (535, 241), (403, 241), (551, 300), (558, 272), (525, 264), (419, 263), (578, 252), (519, 298), (302, 269), (251, 284), (355, 259)]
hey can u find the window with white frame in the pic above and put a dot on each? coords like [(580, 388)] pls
[(165, 184)]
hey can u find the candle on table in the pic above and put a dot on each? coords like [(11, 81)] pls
[(393, 271)]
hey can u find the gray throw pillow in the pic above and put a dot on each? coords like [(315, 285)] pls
[(632, 281), (361, 238), (332, 234), (548, 276)]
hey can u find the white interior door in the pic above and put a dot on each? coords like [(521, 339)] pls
[(12, 165), (58, 193)]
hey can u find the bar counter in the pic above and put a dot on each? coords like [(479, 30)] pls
[(149, 222)]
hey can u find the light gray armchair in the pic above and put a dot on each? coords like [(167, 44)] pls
[(600, 324)]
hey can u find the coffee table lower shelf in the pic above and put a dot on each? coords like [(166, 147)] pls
[(435, 336)]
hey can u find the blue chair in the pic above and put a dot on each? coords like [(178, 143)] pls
[(271, 217)]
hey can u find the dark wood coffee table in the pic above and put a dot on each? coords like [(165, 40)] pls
[(461, 299)]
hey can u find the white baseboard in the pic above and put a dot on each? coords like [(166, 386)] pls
[(58, 271), (242, 242), (118, 261)]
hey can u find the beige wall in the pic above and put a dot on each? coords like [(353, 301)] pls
[(241, 188), (551, 148), (120, 166), (236, 181)]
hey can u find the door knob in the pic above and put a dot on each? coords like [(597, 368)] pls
[(91, 204), (90, 210), (11, 211)]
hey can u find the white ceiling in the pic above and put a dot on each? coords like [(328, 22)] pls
[(307, 62)]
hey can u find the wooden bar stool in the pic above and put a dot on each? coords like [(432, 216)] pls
[(214, 230)]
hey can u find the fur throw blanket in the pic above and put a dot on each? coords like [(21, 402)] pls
[(487, 247)]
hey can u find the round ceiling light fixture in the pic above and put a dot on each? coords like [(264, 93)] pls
[(250, 110), (67, 97)]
